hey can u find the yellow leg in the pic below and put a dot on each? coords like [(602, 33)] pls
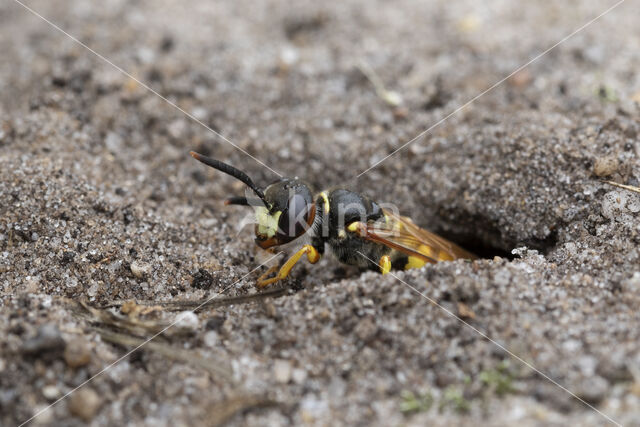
[(385, 264), (312, 255), (268, 273)]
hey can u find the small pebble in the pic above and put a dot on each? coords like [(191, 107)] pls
[(140, 269), (187, 320), (50, 392), (270, 310), (299, 376), (77, 353), (521, 79), (210, 339), (177, 128), (282, 371), (593, 389), (31, 284), (614, 204), (605, 166), (84, 403)]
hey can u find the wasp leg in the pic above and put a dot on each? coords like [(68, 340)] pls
[(385, 264), (268, 273), (312, 255)]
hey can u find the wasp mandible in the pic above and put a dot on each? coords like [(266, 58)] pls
[(356, 228)]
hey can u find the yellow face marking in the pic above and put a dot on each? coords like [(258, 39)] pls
[(385, 264), (325, 199), (267, 223), (342, 234)]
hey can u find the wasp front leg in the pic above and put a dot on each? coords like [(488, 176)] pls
[(266, 274), (312, 255)]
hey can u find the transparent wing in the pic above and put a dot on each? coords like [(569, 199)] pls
[(400, 233)]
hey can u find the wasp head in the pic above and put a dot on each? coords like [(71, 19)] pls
[(288, 214), (284, 210)]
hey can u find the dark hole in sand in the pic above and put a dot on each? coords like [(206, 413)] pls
[(499, 246), (479, 246), (480, 235), (484, 250)]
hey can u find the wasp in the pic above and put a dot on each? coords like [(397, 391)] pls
[(357, 230)]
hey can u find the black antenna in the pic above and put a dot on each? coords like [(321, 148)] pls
[(229, 170), (237, 200)]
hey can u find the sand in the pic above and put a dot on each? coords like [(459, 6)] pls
[(101, 205)]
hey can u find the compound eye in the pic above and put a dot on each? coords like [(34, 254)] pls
[(293, 221)]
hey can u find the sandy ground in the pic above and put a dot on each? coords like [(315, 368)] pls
[(100, 205)]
